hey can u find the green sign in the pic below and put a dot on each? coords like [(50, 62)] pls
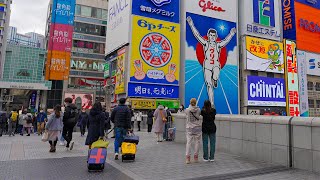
[(171, 104), (106, 70)]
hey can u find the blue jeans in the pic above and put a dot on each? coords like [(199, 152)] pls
[(205, 141), (120, 134)]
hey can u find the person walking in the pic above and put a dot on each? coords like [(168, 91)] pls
[(28, 123), (95, 124), (208, 131), (161, 118), (3, 121), (41, 119), (13, 118), (150, 120), (54, 127), (107, 123), (133, 117), (193, 130), (181, 109), (83, 121), (21, 122), (121, 117), (139, 119), (70, 118)]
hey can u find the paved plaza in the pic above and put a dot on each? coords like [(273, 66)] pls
[(27, 158)]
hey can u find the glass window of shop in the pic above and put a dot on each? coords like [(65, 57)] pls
[(317, 86), (86, 11), (95, 47), (86, 83), (78, 10), (317, 103), (90, 29), (311, 103), (310, 85)]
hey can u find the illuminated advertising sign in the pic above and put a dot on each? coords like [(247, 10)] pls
[(60, 40), (291, 74), (288, 19), (265, 91), (308, 27), (211, 54), (260, 18), (303, 83), (264, 55)]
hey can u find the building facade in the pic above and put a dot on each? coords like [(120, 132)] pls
[(87, 53), (5, 11), (30, 39)]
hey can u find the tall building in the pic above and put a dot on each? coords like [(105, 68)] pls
[(87, 53), (29, 39), (5, 11)]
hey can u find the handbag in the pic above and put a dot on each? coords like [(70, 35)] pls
[(45, 136), (164, 119)]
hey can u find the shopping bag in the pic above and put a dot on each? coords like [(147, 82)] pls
[(100, 143), (45, 136)]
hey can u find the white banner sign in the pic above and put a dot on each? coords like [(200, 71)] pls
[(224, 9), (119, 13), (21, 85), (313, 63), (260, 18), (303, 86)]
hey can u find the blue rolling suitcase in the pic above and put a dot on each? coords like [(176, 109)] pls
[(96, 159)]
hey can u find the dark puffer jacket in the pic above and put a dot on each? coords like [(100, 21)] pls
[(121, 117), (208, 125), (95, 126)]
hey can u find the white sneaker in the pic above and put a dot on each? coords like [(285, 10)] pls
[(211, 160), (205, 160), (116, 156), (61, 144)]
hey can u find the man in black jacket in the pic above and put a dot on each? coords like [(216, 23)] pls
[(121, 117), (70, 118)]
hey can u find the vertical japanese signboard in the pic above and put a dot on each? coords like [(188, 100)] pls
[(60, 40), (291, 74), (303, 83), (155, 49), (120, 79)]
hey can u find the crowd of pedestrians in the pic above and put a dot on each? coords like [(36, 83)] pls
[(60, 124)]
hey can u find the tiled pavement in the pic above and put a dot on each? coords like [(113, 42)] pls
[(28, 158)]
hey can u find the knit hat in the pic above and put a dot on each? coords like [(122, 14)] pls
[(193, 102)]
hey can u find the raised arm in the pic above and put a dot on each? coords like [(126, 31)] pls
[(224, 42), (195, 31)]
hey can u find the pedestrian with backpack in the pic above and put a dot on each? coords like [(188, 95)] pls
[(41, 119), (28, 123), (193, 130), (70, 118), (83, 121), (12, 125)]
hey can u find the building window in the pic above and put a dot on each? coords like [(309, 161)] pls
[(99, 13), (78, 10), (94, 12), (90, 29), (254, 73), (317, 86), (311, 103), (318, 103), (104, 14), (90, 46), (271, 75), (310, 85), (86, 11)]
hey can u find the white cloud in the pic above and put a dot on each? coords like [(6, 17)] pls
[(29, 15), (190, 53), (232, 57)]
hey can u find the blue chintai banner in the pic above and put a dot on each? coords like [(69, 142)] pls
[(265, 91)]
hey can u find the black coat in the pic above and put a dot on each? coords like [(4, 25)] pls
[(121, 117), (83, 119), (208, 125), (95, 126), (150, 118)]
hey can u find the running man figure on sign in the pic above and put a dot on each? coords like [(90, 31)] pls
[(212, 49)]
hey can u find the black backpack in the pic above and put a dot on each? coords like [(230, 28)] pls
[(29, 119), (74, 116)]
